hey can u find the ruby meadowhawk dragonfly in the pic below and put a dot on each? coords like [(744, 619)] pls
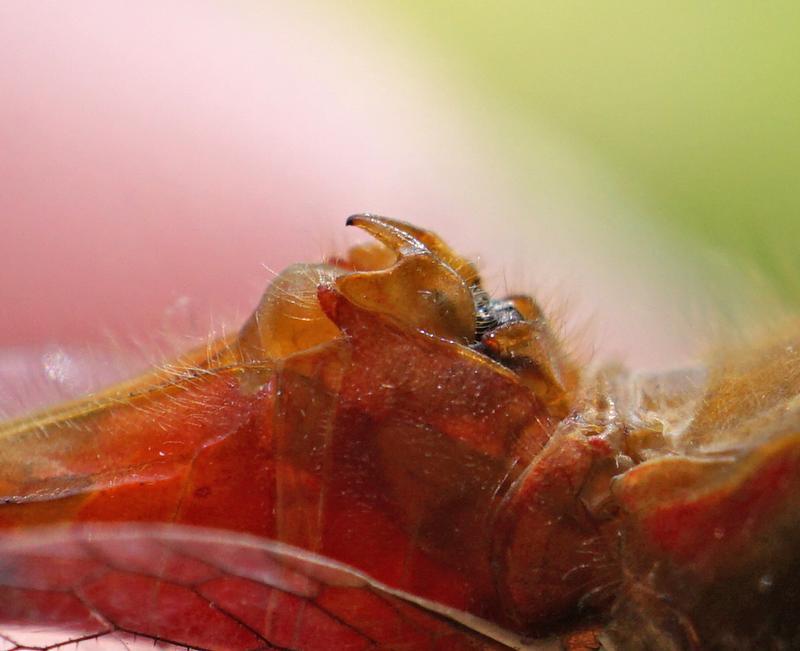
[(386, 456)]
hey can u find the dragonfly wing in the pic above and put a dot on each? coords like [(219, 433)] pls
[(127, 586)]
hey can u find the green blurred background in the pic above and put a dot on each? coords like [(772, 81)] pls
[(694, 108)]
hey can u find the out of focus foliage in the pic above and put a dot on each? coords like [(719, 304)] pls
[(695, 105)]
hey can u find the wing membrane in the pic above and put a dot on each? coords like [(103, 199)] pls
[(205, 590)]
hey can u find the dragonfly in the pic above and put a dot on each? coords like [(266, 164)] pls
[(384, 456)]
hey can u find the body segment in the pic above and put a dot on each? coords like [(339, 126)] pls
[(385, 413)]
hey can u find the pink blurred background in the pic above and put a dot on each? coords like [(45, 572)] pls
[(151, 154), (155, 158)]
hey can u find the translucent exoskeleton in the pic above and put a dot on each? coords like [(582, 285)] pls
[(384, 456)]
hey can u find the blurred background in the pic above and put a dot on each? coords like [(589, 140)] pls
[(634, 165)]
